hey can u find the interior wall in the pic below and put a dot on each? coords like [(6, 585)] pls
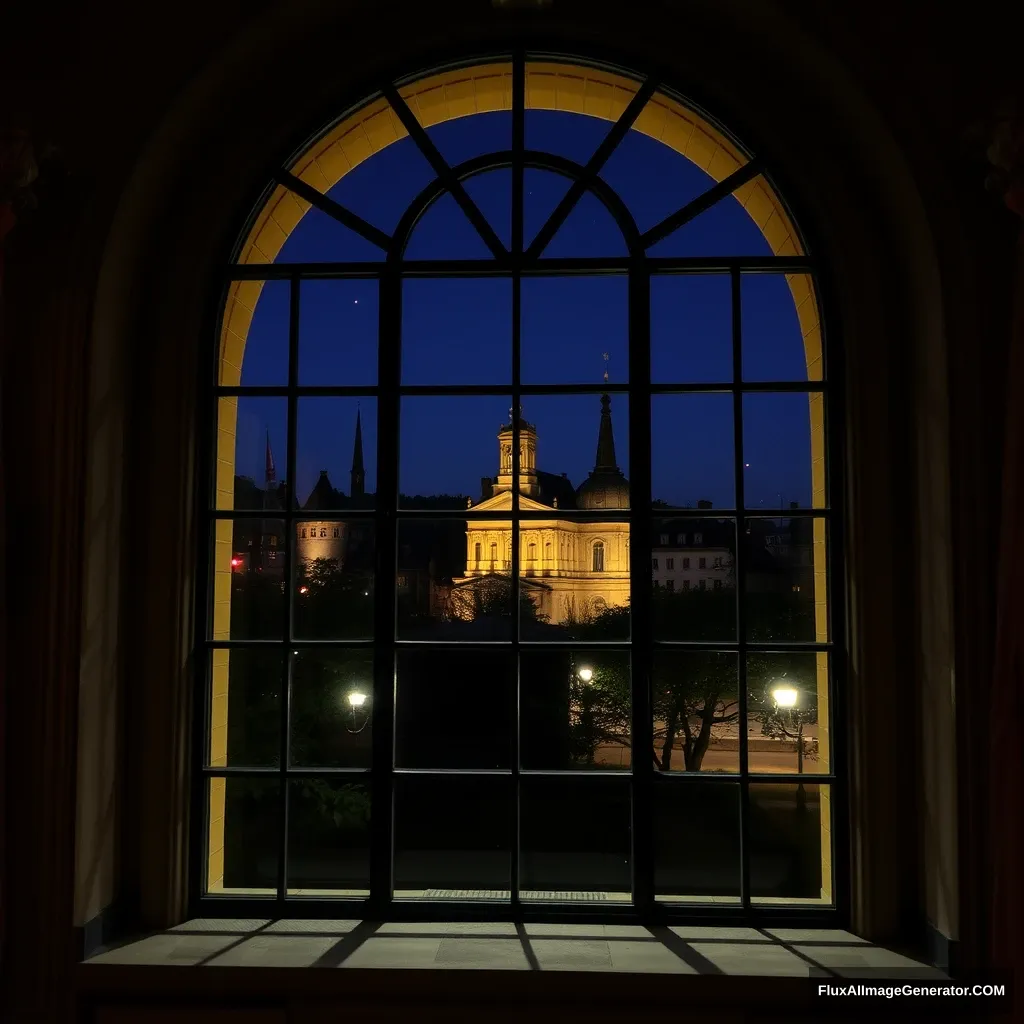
[(215, 147)]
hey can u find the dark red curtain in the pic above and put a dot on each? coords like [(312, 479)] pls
[(7, 219), (1005, 746)]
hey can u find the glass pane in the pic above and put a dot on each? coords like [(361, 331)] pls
[(444, 232), (589, 230), (697, 843), (328, 838), (693, 454), (574, 136), (781, 329), (471, 431), (691, 329), (453, 709), (338, 327), (575, 836), (575, 329), (453, 838), (245, 708), (341, 435), (334, 579), (248, 580), (319, 238), (576, 441), (542, 192), (260, 342), (244, 828), (696, 711), (783, 469), (492, 193), (573, 579), (457, 331), (693, 575), (331, 708), (436, 599), (574, 709), (463, 138), (383, 184), (789, 831), (786, 694), (729, 229), (252, 435), (786, 580), (652, 178)]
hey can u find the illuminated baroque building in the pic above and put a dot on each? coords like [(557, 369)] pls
[(570, 569)]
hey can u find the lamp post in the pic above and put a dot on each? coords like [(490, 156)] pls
[(356, 700), (586, 677), (787, 698)]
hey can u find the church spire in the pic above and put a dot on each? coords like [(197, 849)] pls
[(358, 474), (270, 473), (605, 440)]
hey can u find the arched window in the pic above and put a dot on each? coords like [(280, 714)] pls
[(586, 290)]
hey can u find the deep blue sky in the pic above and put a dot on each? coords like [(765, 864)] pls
[(458, 331)]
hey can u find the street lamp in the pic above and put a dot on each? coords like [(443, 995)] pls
[(356, 700), (585, 674), (787, 698)]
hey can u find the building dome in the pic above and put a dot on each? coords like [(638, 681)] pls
[(603, 489)]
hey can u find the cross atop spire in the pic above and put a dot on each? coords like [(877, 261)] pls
[(606, 367)]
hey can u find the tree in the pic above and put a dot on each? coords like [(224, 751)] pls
[(599, 706), (489, 599), (694, 691), (332, 603)]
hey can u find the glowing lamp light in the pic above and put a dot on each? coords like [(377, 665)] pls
[(236, 562), (785, 696), (586, 674), (357, 699), (303, 590)]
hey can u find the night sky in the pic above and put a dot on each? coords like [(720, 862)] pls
[(458, 331)]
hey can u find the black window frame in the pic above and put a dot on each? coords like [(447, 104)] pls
[(518, 262)]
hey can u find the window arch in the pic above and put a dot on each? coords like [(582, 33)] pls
[(378, 749)]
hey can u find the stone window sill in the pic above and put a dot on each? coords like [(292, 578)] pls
[(358, 946)]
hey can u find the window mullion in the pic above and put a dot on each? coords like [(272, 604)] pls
[(516, 608), (642, 724), (741, 617), (288, 575), (388, 411)]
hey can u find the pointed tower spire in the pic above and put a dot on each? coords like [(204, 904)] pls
[(358, 473), (270, 476), (605, 440)]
